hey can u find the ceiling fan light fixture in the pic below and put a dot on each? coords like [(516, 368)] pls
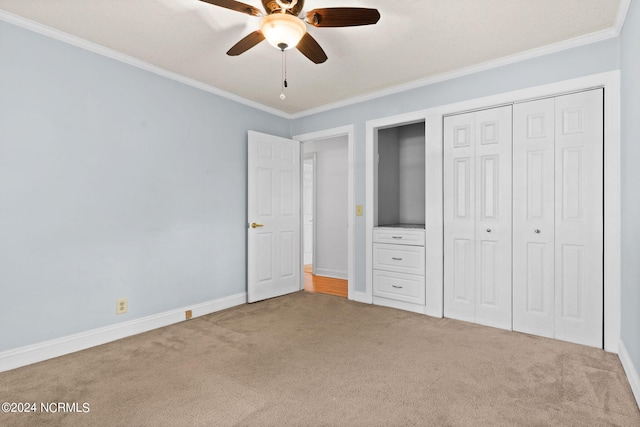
[(282, 30)]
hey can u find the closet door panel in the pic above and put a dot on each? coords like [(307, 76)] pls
[(533, 217), (459, 217), (579, 217), (493, 217), (462, 279)]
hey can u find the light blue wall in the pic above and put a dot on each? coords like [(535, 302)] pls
[(577, 62), (114, 182), (630, 70)]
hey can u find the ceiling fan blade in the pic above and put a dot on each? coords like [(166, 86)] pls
[(246, 43), (235, 5), (310, 48), (342, 16)]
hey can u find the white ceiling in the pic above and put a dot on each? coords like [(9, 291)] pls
[(413, 41)]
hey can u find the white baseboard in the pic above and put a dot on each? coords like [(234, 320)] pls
[(400, 305), (334, 274), (630, 370), (361, 297), (34, 353)]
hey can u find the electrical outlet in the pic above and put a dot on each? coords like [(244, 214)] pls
[(358, 210), (122, 306), (188, 314)]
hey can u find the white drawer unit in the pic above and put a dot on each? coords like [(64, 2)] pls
[(399, 266), (398, 236), (399, 258), (399, 286)]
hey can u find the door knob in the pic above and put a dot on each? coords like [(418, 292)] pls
[(537, 231), (488, 230), (254, 225)]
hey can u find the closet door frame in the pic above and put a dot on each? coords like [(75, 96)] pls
[(433, 117), (610, 81)]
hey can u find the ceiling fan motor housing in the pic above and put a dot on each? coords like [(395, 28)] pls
[(272, 6)]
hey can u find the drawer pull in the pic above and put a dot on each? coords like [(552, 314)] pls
[(396, 259), (396, 286), (396, 237)]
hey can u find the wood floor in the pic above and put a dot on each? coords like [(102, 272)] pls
[(324, 285)]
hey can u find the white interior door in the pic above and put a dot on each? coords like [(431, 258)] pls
[(273, 212), (558, 218), (534, 217), (493, 217), (579, 188), (459, 217), (477, 214)]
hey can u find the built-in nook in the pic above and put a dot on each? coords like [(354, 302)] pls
[(398, 234), (400, 175)]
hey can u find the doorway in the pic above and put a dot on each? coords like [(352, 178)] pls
[(324, 201), (327, 212)]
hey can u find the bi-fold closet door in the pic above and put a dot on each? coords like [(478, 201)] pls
[(477, 212), (524, 217), (558, 235)]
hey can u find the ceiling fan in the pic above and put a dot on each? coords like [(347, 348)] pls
[(282, 27)]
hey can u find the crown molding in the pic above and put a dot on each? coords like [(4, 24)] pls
[(507, 60), (53, 33), (623, 10)]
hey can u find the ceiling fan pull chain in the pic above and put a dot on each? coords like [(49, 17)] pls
[(284, 75), (285, 69)]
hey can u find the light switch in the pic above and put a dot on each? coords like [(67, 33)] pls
[(358, 210)]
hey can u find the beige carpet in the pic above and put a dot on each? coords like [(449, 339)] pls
[(318, 360)]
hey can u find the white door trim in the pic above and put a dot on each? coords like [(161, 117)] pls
[(331, 133), (311, 156), (611, 83)]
